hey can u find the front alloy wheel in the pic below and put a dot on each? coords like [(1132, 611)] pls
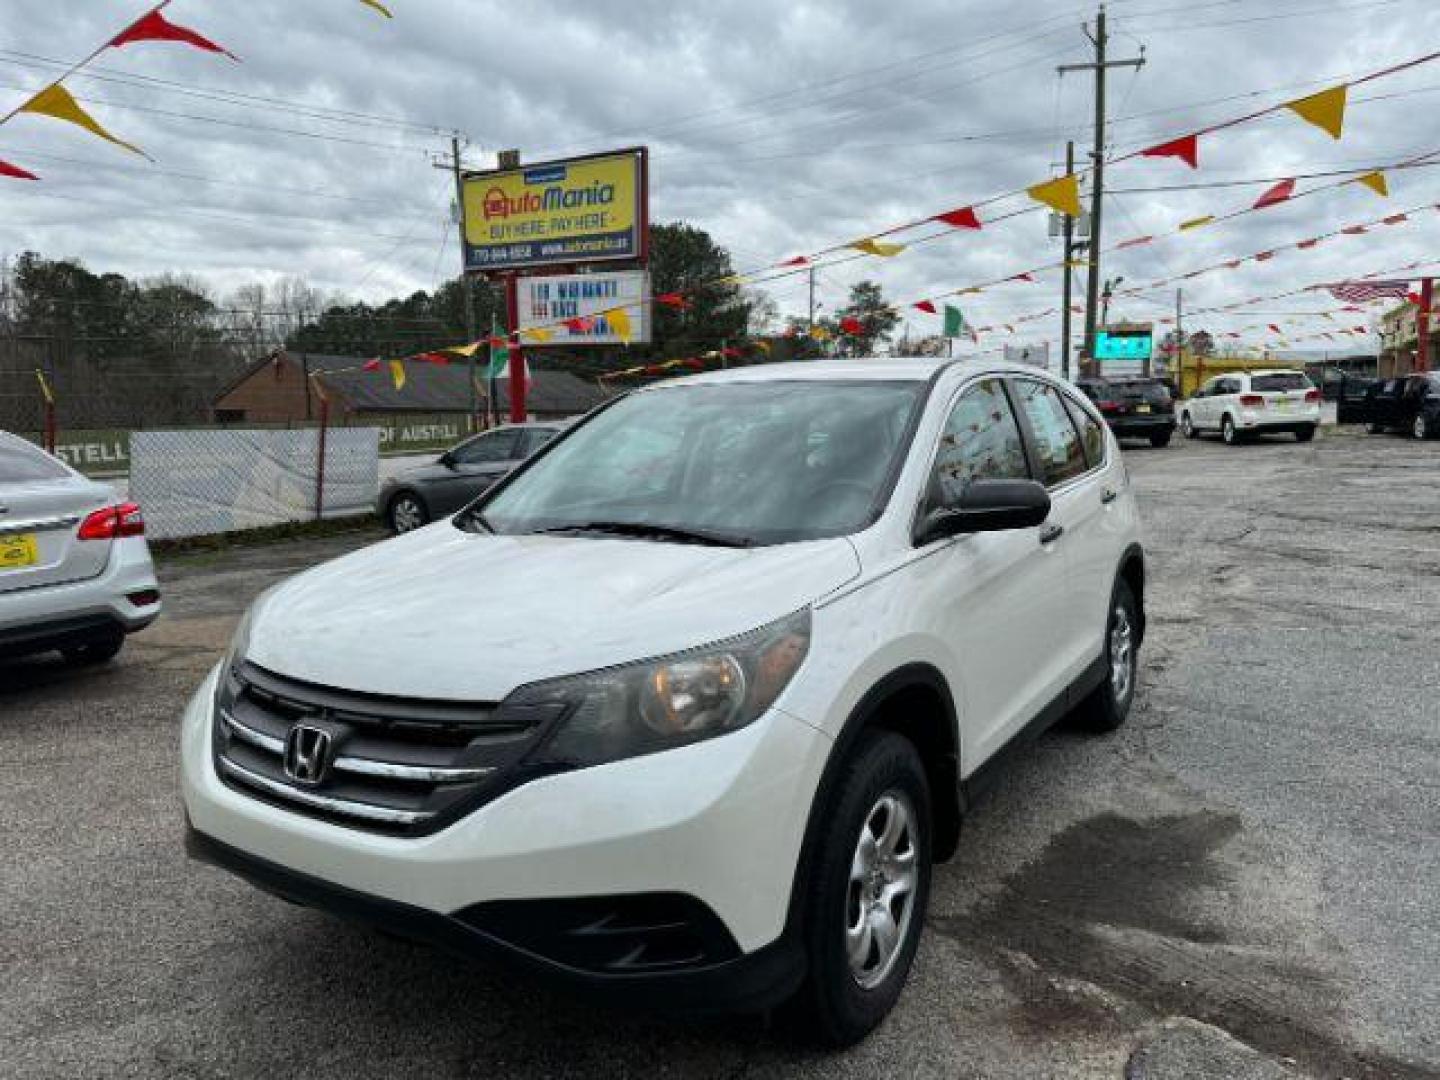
[(881, 900), (866, 888), (407, 513), (1107, 706)]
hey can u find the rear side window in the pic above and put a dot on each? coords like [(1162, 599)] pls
[(21, 462), (1061, 457), (499, 446), (1092, 435), (1264, 384), (981, 442)]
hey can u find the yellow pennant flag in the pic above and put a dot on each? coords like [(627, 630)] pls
[(465, 350), (1376, 182), (763, 346), (45, 387), (619, 321), (1062, 194), (537, 334), (871, 246), (1195, 223), (56, 101), (819, 333), (381, 8), (1326, 110), (731, 279), (397, 372), (1078, 264)]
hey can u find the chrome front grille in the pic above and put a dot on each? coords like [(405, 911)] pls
[(395, 765)]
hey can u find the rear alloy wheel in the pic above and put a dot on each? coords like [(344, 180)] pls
[(1187, 427), (1305, 434), (407, 513), (97, 651), (1228, 432), (867, 891), (1421, 428), (1107, 706)]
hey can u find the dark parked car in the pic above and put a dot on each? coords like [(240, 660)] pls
[(1134, 408), (418, 496), (1410, 404)]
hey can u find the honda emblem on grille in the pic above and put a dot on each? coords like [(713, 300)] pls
[(308, 753)]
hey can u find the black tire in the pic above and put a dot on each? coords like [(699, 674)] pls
[(1160, 439), (1108, 705), (1305, 434), (832, 1007), (1187, 427), (1228, 432), (406, 512), (96, 651), (1375, 429)]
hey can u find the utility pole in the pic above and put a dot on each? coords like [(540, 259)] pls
[(467, 298), (1179, 341), (1100, 39), (1069, 258)]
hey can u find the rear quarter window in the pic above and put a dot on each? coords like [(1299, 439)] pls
[(20, 462)]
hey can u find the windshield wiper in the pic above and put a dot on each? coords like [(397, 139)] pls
[(674, 533)]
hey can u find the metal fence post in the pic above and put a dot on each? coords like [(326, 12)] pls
[(320, 451)]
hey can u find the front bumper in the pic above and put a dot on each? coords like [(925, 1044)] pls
[(718, 823), (47, 616)]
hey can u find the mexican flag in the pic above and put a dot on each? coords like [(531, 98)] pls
[(499, 368), (954, 321)]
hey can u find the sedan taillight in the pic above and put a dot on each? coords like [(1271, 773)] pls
[(113, 522), (1252, 401), (1312, 397)]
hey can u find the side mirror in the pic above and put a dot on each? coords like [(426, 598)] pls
[(447, 459), (988, 506)]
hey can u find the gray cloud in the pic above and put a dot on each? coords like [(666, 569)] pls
[(780, 128)]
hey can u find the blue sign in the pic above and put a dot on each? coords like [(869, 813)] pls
[(1124, 344)]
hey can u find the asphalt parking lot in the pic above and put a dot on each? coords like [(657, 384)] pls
[(1241, 883)]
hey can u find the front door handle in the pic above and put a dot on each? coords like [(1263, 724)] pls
[(1109, 496), (1051, 533)]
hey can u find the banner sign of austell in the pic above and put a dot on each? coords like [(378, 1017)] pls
[(572, 307), (582, 210)]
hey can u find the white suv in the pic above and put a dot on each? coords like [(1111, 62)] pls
[(1245, 404), (684, 708)]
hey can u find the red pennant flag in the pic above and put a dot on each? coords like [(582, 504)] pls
[(1022, 277), (1355, 230), (1305, 245), (1276, 329), (1396, 219), (155, 27), (1277, 194), (580, 325), (6, 169), (495, 341), (1264, 255), (1231, 265), (370, 365), (963, 218), (694, 363), (853, 326), (673, 300), (1186, 148), (432, 358), (1353, 307), (926, 306), (798, 260), (1362, 329), (1135, 242)]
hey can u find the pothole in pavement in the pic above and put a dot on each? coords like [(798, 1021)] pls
[(1108, 918)]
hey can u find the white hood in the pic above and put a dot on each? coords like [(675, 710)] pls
[(440, 613)]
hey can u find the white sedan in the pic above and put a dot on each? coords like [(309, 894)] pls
[(75, 572), (1244, 404)]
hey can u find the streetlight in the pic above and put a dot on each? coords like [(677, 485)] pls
[(1111, 284)]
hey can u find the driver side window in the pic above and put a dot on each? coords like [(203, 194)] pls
[(981, 441), (497, 446)]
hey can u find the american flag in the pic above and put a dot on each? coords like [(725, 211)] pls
[(1361, 292)]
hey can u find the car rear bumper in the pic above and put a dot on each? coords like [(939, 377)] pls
[(1141, 426), (1261, 423), (49, 616)]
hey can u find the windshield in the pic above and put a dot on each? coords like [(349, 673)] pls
[(743, 463)]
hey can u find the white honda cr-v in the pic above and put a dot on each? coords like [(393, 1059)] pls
[(685, 708)]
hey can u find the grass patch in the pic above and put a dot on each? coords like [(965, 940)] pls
[(270, 534)]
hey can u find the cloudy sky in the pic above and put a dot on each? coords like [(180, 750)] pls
[(779, 127)]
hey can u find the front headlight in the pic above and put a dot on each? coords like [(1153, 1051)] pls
[(665, 703)]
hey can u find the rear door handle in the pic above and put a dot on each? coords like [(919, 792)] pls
[(1051, 533), (1108, 496)]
